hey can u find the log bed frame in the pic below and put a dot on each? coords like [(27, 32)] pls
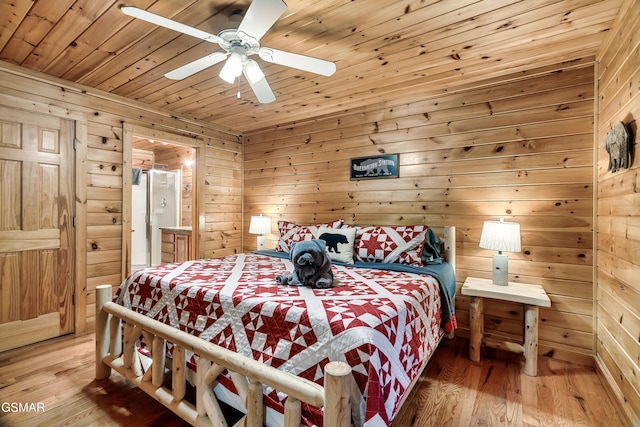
[(118, 329)]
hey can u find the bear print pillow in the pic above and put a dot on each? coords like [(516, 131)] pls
[(340, 243)]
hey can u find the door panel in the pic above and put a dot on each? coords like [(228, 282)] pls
[(36, 233)]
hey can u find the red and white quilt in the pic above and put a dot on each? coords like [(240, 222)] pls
[(384, 324)]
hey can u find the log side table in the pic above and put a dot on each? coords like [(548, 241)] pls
[(531, 296)]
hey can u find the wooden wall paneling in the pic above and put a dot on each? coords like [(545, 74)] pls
[(104, 180), (621, 364), (58, 94), (80, 143), (142, 159), (506, 148), (198, 201), (614, 55), (222, 196), (127, 177), (612, 97), (64, 271), (608, 357), (424, 99), (187, 195), (424, 127), (618, 216), (614, 306)]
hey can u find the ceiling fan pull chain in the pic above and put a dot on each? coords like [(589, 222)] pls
[(239, 88)]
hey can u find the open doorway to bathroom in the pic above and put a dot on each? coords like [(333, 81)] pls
[(161, 202), (156, 201)]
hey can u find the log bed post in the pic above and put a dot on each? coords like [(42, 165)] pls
[(450, 245), (337, 390), (450, 257), (103, 295)]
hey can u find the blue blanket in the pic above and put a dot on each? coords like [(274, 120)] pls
[(443, 273)]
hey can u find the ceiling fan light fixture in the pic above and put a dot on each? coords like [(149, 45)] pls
[(239, 42), (232, 68), (253, 72)]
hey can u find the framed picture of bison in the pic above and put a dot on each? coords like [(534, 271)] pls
[(374, 167)]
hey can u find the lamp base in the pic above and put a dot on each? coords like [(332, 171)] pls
[(261, 242), (500, 269)]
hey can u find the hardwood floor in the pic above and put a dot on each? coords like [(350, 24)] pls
[(453, 391), (57, 378)]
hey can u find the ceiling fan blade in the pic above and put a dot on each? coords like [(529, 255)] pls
[(168, 23), (301, 62), (262, 90), (261, 16), (196, 66)]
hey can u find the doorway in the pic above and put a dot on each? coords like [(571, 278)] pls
[(156, 202), (160, 197)]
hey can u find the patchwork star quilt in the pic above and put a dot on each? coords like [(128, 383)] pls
[(385, 324)]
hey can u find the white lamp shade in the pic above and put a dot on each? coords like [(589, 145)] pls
[(260, 225), (253, 72), (501, 236), (232, 68)]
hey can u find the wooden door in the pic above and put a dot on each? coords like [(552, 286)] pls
[(36, 230)]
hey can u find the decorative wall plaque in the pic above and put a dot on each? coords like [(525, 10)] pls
[(617, 144)]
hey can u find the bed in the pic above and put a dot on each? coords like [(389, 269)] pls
[(223, 331)]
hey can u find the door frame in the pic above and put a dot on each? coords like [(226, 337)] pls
[(128, 130)]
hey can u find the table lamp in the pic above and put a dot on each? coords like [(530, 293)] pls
[(260, 225), (502, 237)]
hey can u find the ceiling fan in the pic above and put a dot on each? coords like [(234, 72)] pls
[(238, 45)]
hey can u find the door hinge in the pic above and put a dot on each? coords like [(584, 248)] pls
[(74, 222), (73, 299), (75, 143)]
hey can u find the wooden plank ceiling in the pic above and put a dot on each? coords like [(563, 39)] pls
[(383, 49)]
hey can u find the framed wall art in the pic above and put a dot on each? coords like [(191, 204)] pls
[(375, 167)]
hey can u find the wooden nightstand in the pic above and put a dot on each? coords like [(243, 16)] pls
[(532, 296)]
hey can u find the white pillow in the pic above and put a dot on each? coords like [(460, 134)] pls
[(340, 243)]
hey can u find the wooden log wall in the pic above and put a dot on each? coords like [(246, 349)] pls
[(618, 219), (100, 154), (518, 147), (223, 203), (142, 159)]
